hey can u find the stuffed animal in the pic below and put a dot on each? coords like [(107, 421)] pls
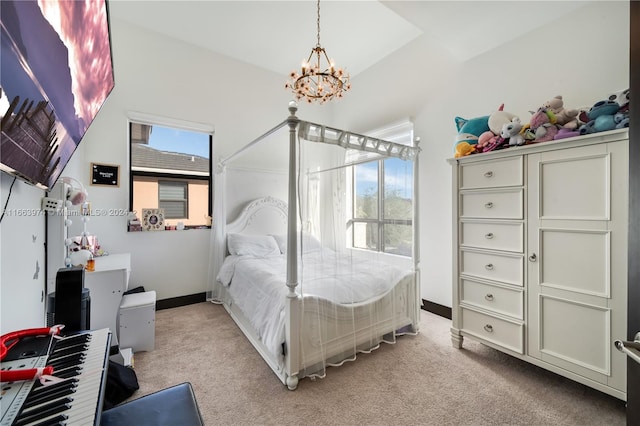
[(491, 139), (621, 98), (468, 132), (567, 118), (511, 131), (498, 119), (463, 149), (602, 117), (542, 126)]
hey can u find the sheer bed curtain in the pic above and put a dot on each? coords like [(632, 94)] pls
[(217, 245), (330, 268), (343, 297)]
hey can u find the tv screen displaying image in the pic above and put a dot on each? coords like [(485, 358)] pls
[(56, 72)]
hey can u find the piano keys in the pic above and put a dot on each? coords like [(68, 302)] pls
[(80, 362)]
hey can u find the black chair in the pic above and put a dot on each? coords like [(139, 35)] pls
[(172, 406)]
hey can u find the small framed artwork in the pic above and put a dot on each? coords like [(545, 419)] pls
[(152, 219), (105, 174)]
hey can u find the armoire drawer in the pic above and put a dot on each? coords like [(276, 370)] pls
[(494, 204), (505, 333), (502, 300), (494, 266), (493, 235), (492, 174)]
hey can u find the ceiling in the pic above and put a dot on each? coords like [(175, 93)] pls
[(278, 35)]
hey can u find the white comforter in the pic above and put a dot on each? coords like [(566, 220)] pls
[(257, 286)]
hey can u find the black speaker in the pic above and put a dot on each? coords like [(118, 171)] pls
[(85, 304), (68, 300)]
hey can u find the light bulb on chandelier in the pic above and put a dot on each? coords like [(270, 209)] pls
[(318, 82)]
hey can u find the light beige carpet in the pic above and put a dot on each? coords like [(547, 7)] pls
[(421, 380)]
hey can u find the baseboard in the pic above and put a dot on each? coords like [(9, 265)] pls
[(175, 302), (434, 308)]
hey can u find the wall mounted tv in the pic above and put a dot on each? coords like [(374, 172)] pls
[(55, 74)]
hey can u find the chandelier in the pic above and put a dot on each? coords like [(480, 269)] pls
[(318, 82)]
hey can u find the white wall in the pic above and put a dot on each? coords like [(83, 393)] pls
[(583, 57), (22, 250)]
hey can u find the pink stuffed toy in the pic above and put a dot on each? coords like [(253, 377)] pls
[(543, 125)]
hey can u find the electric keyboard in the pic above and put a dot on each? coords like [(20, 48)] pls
[(80, 360)]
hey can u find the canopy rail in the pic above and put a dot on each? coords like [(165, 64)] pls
[(319, 133), (260, 138)]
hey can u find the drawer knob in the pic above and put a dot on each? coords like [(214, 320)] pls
[(488, 174), (489, 235), (488, 328), (488, 205), (533, 258), (489, 297), (489, 267)]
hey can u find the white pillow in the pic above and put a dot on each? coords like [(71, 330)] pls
[(309, 243), (252, 245)]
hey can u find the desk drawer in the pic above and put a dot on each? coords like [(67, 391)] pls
[(494, 204), (497, 267), (493, 235), (501, 332), (492, 174), (502, 300)]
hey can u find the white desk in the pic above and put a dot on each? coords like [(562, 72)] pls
[(106, 285)]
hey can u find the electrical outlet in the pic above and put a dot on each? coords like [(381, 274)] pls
[(51, 204)]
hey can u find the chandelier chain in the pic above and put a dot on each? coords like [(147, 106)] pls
[(318, 23)]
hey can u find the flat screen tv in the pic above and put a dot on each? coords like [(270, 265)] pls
[(56, 72)]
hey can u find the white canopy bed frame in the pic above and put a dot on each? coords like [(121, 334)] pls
[(322, 333)]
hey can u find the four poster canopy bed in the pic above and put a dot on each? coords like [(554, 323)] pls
[(287, 272)]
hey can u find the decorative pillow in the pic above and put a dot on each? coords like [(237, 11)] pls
[(309, 243), (252, 245)]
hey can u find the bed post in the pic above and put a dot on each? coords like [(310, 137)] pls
[(292, 306), (416, 232)]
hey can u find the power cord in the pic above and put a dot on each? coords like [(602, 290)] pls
[(4, 209)]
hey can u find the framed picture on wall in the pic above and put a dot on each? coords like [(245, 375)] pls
[(105, 174)]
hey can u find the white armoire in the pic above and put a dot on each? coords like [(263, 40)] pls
[(540, 255)]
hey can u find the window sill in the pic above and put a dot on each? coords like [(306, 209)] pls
[(186, 228)]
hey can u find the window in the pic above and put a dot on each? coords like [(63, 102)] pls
[(171, 170), (173, 197), (382, 190)]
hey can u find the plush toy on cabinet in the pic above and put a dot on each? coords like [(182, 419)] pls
[(567, 118), (491, 139), (542, 126), (468, 132), (605, 115), (511, 131)]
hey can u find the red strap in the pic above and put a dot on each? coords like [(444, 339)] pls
[(7, 341), (29, 374)]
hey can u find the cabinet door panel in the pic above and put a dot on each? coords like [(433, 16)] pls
[(575, 188), (575, 332), (576, 260)]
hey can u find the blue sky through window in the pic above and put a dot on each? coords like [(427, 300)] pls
[(178, 140), (398, 176)]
